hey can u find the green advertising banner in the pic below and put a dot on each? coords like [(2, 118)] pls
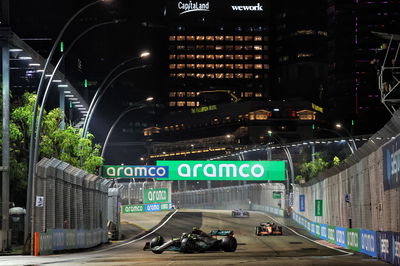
[(224, 170), (353, 239), (318, 207), (155, 195), (276, 195), (331, 234), (132, 208)]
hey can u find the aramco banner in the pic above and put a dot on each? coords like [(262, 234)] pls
[(224, 170), (134, 171)]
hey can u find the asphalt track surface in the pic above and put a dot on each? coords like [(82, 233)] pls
[(288, 249)]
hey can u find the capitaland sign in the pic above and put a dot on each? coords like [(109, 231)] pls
[(257, 7), (224, 170), (136, 171), (187, 7), (391, 162)]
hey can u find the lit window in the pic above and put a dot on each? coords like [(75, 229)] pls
[(248, 94), (172, 75), (219, 66), (248, 75), (197, 103), (180, 38), (190, 94), (199, 38), (257, 76), (239, 75), (172, 104), (248, 57), (209, 38), (248, 66), (209, 47), (180, 66), (229, 66), (229, 56), (210, 57), (172, 94), (180, 103), (172, 56), (229, 47), (300, 55), (238, 66), (200, 56), (210, 66), (180, 75), (228, 38), (199, 66), (172, 38), (180, 94), (180, 47), (190, 56), (238, 56), (210, 76), (306, 115), (199, 47), (200, 75), (219, 47), (190, 75), (238, 38), (322, 33), (181, 57), (259, 94), (261, 114), (248, 47), (172, 66), (229, 75), (219, 56), (219, 38), (219, 75), (238, 47), (257, 38), (191, 103), (190, 66), (257, 57), (189, 38), (258, 47), (258, 66)]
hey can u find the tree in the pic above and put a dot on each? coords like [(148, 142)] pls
[(309, 170), (66, 145)]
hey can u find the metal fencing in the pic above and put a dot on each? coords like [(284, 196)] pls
[(70, 209)]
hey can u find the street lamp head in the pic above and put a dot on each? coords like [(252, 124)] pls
[(269, 132), (149, 99), (145, 54), (338, 125)]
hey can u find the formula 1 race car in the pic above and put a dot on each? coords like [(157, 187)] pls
[(266, 229), (240, 213), (197, 241)]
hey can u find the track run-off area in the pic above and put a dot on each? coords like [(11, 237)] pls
[(294, 247)]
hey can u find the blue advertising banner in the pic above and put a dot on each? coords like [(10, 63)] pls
[(318, 229), (340, 236), (391, 164), (368, 243), (385, 246), (396, 248), (302, 203), (152, 207), (324, 231), (313, 228)]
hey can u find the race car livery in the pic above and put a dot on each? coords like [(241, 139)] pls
[(265, 229), (240, 213)]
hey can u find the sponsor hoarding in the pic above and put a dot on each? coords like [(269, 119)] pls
[(135, 208), (396, 248), (134, 171), (385, 246), (155, 195), (391, 164), (302, 203), (353, 239), (340, 236), (224, 170), (368, 243), (324, 231)]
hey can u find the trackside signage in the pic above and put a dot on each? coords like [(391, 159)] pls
[(137, 171), (224, 170), (156, 195), (391, 164)]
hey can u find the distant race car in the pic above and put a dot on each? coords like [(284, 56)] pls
[(240, 213), (196, 241), (265, 229)]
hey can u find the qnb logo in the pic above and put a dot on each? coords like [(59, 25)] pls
[(395, 162), (193, 7), (385, 246), (258, 7)]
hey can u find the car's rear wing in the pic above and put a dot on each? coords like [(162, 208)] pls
[(221, 232)]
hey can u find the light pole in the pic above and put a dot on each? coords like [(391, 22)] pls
[(100, 91), (28, 229), (333, 131), (340, 126)]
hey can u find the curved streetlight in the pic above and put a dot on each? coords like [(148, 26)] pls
[(100, 91), (340, 135), (340, 126), (33, 124)]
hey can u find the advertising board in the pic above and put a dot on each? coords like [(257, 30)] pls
[(385, 246), (368, 243)]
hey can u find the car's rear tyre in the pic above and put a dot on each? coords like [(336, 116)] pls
[(157, 251), (157, 241), (229, 244), (187, 245)]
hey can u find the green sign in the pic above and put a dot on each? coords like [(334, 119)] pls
[(156, 195), (224, 170), (318, 207), (353, 239), (331, 234), (132, 208), (165, 206), (203, 109), (276, 195)]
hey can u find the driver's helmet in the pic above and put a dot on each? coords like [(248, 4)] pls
[(184, 235)]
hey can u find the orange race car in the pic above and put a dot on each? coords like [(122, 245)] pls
[(266, 229)]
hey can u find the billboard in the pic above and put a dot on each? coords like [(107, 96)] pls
[(391, 164), (225, 170), (134, 171), (155, 195)]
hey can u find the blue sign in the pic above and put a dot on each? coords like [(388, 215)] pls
[(396, 248), (152, 207), (324, 231), (313, 228), (391, 164), (340, 236), (385, 246), (291, 199), (368, 242), (302, 203)]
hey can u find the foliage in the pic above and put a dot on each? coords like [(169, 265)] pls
[(66, 145), (336, 161), (309, 170)]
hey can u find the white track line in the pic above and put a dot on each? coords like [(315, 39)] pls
[(340, 250)]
